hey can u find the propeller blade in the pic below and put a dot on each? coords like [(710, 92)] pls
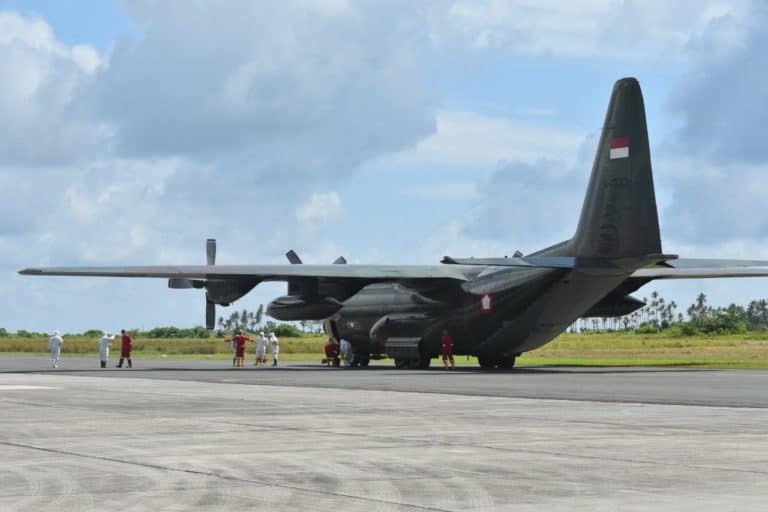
[(210, 315), (210, 251), (341, 260), (293, 258)]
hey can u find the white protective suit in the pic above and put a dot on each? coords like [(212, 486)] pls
[(345, 349), (55, 344), (275, 346), (261, 348), (104, 344)]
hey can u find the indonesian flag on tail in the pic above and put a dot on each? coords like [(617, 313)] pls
[(619, 148)]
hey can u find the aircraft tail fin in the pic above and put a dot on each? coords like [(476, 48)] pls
[(619, 217)]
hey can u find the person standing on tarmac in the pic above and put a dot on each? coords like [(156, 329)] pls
[(240, 340), (104, 344), (447, 349), (233, 345), (55, 343), (275, 346), (331, 353), (126, 345), (345, 349), (261, 350)]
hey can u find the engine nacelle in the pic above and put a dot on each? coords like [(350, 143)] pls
[(407, 335), (296, 307), (226, 291), (614, 307), (399, 325)]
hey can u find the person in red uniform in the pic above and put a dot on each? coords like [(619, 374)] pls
[(239, 339), (126, 345), (332, 353), (447, 349)]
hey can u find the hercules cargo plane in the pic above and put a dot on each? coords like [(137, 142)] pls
[(495, 308)]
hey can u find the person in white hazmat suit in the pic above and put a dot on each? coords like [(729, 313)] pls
[(104, 343), (275, 346), (346, 352), (55, 344), (261, 350)]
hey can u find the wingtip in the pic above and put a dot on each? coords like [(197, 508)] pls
[(29, 271)]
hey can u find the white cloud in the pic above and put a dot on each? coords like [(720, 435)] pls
[(294, 91), (319, 209), (452, 239), (39, 95), (594, 28), (722, 101), (35, 34), (465, 137), (444, 191)]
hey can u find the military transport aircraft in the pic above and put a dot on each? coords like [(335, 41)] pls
[(495, 308)]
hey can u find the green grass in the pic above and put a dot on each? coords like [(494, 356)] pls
[(148, 347), (748, 350)]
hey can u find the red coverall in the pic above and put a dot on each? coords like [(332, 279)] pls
[(447, 345), (240, 340), (332, 350), (125, 346)]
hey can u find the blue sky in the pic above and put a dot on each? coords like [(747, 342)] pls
[(135, 130)]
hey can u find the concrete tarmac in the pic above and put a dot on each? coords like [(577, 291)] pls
[(181, 435)]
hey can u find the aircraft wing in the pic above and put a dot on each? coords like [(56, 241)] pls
[(264, 272), (694, 268)]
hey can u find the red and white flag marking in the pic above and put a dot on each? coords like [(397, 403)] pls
[(619, 148)]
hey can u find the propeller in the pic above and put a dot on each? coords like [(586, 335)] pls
[(293, 258), (210, 251), (210, 314), (210, 306)]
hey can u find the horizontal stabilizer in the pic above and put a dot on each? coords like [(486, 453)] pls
[(534, 262), (695, 268)]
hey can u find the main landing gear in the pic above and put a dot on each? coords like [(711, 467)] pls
[(360, 359), (497, 361), (421, 363)]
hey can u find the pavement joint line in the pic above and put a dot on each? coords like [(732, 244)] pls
[(221, 477), (412, 443), (434, 443), (474, 393), (257, 427)]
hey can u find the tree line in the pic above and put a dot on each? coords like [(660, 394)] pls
[(247, 321), (660, 315)]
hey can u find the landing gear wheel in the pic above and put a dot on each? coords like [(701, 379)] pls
[(506, 362), (486, 362), (364, 360), (401, 363), (424, 362)]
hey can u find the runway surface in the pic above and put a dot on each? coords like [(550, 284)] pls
[(180, 435)]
